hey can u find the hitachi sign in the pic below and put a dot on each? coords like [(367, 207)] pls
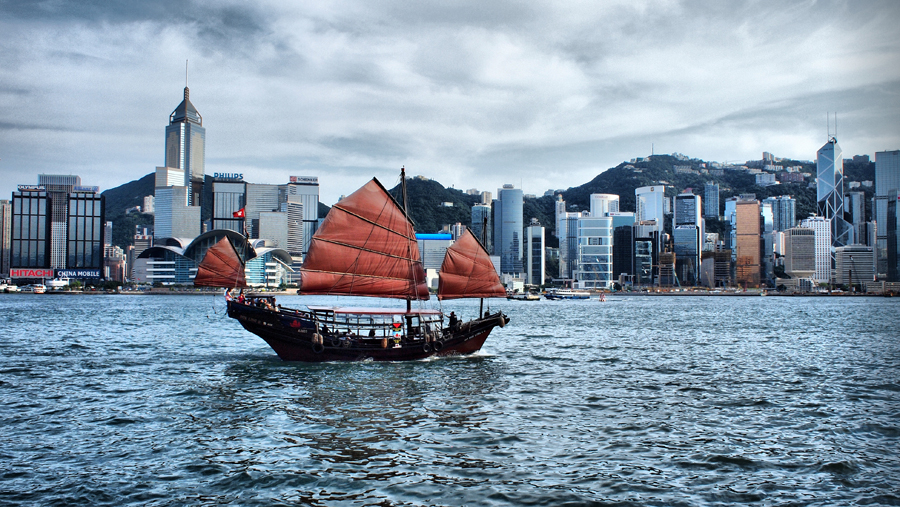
[(31, 273), (228, 176)]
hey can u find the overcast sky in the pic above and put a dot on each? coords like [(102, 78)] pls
[(473, 94)]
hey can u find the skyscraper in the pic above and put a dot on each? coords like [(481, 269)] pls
[(481, 224), (887, 179), (747, 236), (306, 188), (186, 145), (830, 191), (711, 200), (688, 231), (784, 212), (822, 229), (508, 227), (536, 257)]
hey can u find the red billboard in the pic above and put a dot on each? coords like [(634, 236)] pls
[(30, 273)]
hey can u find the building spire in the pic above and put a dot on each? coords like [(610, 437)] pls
[(187, 92)]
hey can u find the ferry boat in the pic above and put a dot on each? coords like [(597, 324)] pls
[(365, 247), (567, 294)]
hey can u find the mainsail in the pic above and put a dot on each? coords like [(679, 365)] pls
[(467, 271), (365, 247), (221, 267)]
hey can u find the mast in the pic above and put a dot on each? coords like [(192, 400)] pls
[(483, 242), (405, 212)]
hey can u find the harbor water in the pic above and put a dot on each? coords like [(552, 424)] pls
[(162, 400)]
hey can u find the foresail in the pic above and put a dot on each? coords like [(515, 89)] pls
[(467, 271), (365, 247), (221, 267)]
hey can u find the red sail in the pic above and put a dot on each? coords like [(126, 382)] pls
[(365, 247), (467, 271), (221, 267)]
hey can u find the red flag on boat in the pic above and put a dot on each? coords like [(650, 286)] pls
[(239, 213)]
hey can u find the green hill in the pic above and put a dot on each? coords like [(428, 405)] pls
[(122, 198)]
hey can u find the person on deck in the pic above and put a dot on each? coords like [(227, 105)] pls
[(241, 297), (453, 320), (228, 296)]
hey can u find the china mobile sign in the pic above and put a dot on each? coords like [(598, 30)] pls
[(78, 273), (31, 273)]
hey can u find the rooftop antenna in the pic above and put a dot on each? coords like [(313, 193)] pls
[(185, 73), (835, 124), (827, 127)]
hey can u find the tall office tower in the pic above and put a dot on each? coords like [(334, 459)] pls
[(649, 204), (688, 232), (887, 179), (855, 214), (784, 212), (767, 241), (307, 189), (5, 233), (594, 267), (229, 196), (892, 236), (747, 243), (58, 187), (822, 229), (560, 213), (830, 191), (433, 248), (800, 252), (568, 245), (107, 234), (508, 227), (260, 197), (711, 200), (604, 204), (294, 209), (185, 147), (536, 258), (137, 268), (481, 224), (457, 230), (623, 245)]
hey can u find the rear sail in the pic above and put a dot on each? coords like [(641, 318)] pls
[(221, 267)]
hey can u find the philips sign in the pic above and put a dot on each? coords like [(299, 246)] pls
[(78, 273), (228, 176)]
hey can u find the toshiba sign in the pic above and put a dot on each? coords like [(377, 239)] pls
[(31, 273)]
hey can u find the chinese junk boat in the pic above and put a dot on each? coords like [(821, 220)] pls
[(366, 247)]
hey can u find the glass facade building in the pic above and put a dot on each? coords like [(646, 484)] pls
[(481, 215), (86, 230), (228, 197), (536, 258), (508, 229), (830, 191), (887, 180), (595, 237), (186, 145), (30, 230)]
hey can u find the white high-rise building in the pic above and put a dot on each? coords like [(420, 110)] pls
[(306, 188), (822, 228), (650, 203), (535, 253)]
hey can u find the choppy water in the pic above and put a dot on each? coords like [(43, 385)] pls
[(158, 400)]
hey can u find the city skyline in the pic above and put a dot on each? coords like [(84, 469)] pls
[(471, 97)]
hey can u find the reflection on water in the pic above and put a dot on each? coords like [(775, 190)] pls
[(636, 401)]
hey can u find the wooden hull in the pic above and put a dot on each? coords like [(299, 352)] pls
[(295, 338)]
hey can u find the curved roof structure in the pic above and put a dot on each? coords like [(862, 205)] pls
[(197, 248)]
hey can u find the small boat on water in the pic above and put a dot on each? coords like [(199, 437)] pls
[(523, 296), (567, 294), (365, 247)]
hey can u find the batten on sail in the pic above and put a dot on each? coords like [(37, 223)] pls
[(467, 271), (221, 267), (365, 247)]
